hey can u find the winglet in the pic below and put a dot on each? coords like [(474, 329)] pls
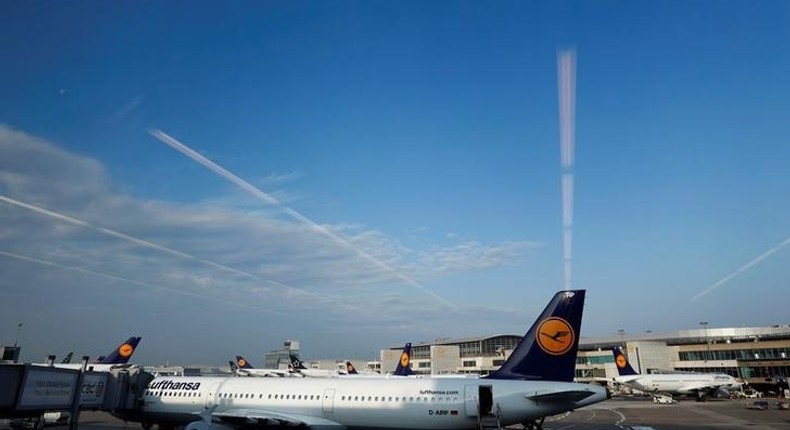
[(404, 363), (548, 350), (123, 352), (623, 366)]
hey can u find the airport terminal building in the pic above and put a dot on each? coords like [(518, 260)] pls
[(755, 354)]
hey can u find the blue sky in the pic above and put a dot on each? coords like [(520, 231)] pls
[(406, 161)]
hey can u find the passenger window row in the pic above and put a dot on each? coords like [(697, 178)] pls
[(305, 397), (172, 393)]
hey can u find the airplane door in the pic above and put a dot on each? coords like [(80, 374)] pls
[(471, 394), (329, 400), (211, 395), (486, 397)]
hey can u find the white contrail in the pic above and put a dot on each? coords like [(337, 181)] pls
[(127, 280), (246, 186), (164, 249), (567, 200), (120, 235), (567, 87), (743, 268), (566, 83)]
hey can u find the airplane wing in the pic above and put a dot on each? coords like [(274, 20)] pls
[(700, 387), (239, 418), (560, 396)]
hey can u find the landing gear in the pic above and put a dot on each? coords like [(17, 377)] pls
[(535, 425)]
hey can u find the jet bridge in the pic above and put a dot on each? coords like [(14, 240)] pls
[(31, 391)]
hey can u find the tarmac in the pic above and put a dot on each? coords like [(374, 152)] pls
[(613, 414)]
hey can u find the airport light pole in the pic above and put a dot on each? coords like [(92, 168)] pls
[(18, 329), (704, 324)]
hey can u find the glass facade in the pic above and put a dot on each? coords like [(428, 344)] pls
[(595, 359), (737, 354)]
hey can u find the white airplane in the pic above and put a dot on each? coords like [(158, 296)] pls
[(242, 367), (533, 383), (118, 358), (403, 368), (700, 385)]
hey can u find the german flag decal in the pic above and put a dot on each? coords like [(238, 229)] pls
[(555, 336)]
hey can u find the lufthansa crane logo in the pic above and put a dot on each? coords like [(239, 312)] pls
[(555, 336), (242, 362), (404, 360), (125, 350), (349, 367), (621, 361)]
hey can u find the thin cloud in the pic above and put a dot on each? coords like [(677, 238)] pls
[(471, 256), (73, 235), (72, 268), (244, 185)]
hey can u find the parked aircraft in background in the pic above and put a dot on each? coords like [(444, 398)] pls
[(404, 364), (244, 368), (534, 382), (700, 385), (116, 359)]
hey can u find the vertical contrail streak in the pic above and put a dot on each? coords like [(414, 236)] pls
[(743, 268), (163, 249), (246, 186), (566, 83)]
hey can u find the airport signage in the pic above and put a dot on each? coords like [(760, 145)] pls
[(47, 388), (94, 385)]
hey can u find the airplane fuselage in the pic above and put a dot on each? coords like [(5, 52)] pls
[(678, 383), (386, 403)]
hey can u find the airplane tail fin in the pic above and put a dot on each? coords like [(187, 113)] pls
[(350, 369), (404, 364), (234, 369), (67, 358), (242, 363), (623, 366), (548, 350), (122, 353), (296, 363)]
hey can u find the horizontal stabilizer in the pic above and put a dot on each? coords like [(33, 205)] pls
[(571, 396)]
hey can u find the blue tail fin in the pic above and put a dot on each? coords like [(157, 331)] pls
[(243, 363), (623, 366), (548, 350), (122, 353), (67, 359), (404, 364), (350, 369)]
